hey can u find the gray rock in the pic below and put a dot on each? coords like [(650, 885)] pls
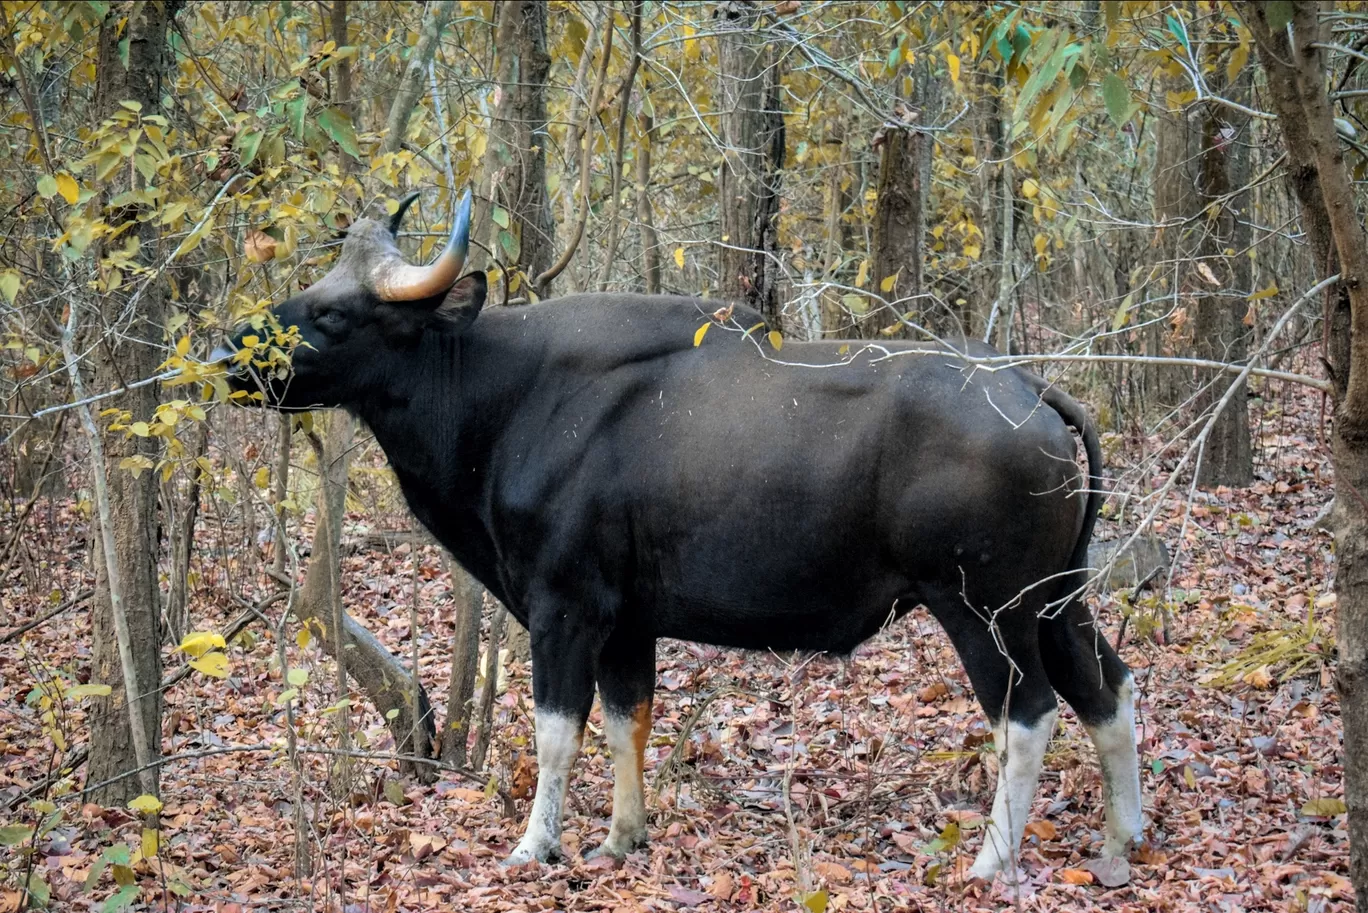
[(1145, 556)]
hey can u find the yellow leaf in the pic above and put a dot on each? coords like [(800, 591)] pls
[(183, 346), (889, 281), (775, 340), (146, 805), (303, 637), (212, 664), (1041, 242), (816, 902), (1324, 808), (862, 275), (698, 336), (953, 63), (1029, 189), (149, 842), (1265, 293), (68, 188), (262, 477), (198, 643), (679, 257)]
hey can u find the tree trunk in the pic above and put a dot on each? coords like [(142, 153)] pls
[(650, 244), (186, 512), (899, 222), (1219, 332), (1313, 147), (515, 158), (133, 501), (1175, 199), (465, 660), (748, 183)]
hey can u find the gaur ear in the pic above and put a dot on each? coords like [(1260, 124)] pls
[(462, 303)]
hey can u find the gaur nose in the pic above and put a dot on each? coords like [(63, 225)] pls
[(222, 353)]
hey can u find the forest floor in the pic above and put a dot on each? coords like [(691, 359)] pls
[(802, 783)]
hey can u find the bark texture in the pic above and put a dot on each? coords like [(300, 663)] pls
[(900, 219), (1219, 331), (122, 357), (465, 660), (751, 131), (1296, 74), (515, 156)]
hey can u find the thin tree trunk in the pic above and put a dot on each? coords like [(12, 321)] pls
[(624, 115), (491, 687), (280, 492), (183, 543), (650, 244), (465, 660), (899, 223), (515, 158), (1219, 333), (131, 546), (752, 134), (415, 74)]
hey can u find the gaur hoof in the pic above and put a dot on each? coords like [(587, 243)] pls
[(546, 853), (617, 849)]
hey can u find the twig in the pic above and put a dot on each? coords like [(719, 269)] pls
[(46, 617)]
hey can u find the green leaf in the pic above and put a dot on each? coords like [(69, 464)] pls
[(500, 216), (14, 834), (1044, 74), (297, 677), (9, 285), (394, 792), (1123, 312), (47, 186), (1278, 13), (1116, 94), (1179, 31), (38, 890), (294, 113), (510, 245), (121, 898), (338, 125), (248, 144)]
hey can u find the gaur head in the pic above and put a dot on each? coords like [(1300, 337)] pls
[(370, 308)]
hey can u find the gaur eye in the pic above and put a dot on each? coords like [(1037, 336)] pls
[(329, 320)]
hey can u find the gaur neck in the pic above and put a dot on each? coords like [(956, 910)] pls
[(438, 413)]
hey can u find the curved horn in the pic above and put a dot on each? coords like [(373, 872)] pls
[(395, 280), (398, 216)]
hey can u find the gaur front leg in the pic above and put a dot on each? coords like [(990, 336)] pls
[(563, 654), (626, 683)]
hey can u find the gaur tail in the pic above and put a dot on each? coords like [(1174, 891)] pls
[(1076, 417)]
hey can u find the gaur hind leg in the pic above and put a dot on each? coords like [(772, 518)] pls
[(563, 654), (626, 684), (1004, 665), (1087, 673)]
